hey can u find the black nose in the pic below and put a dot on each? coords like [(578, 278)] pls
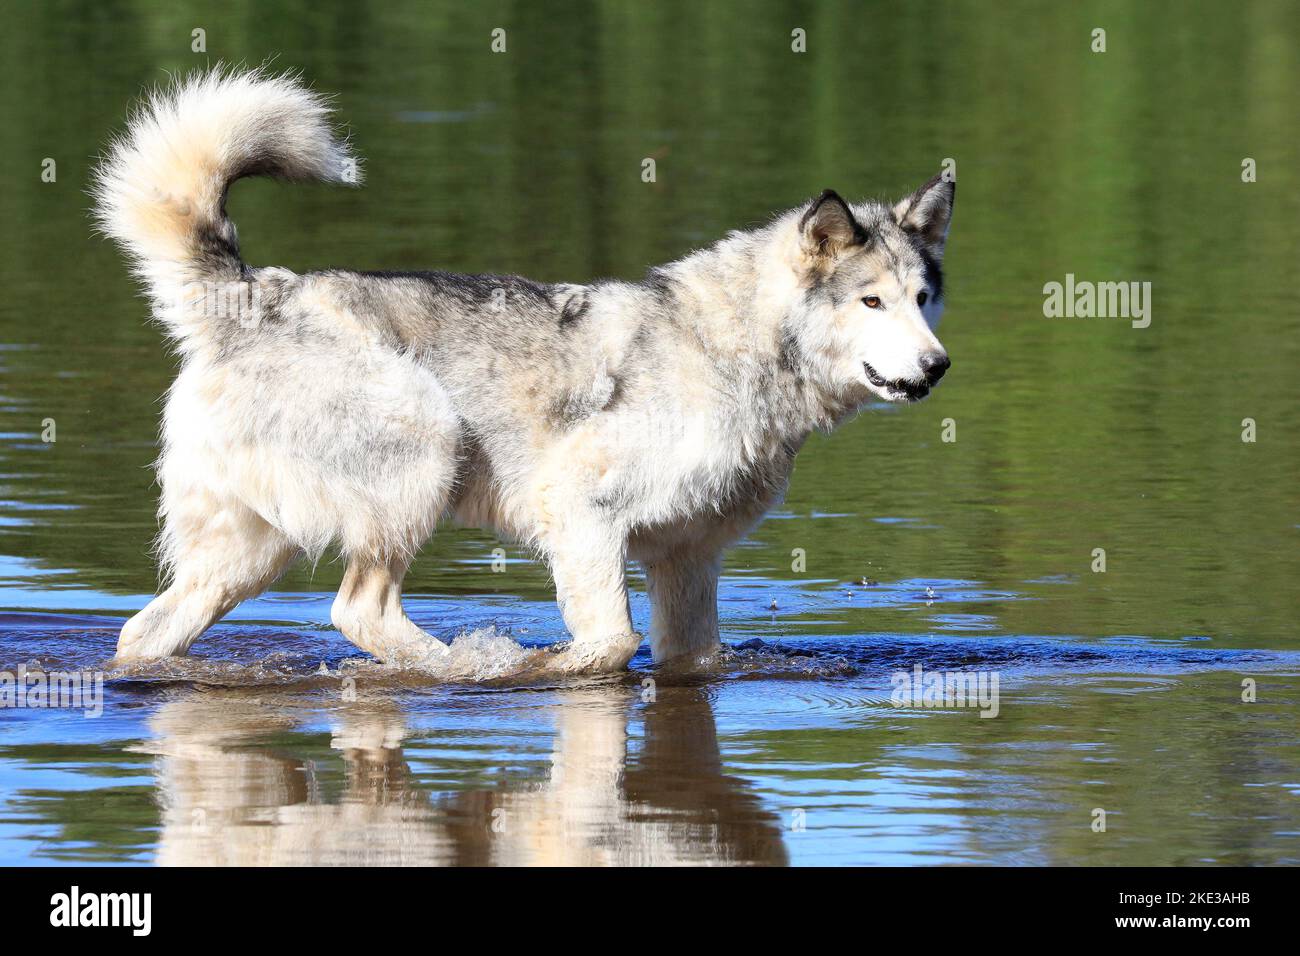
[(933, 365)]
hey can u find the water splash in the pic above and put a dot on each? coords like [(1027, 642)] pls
[(252, 655)]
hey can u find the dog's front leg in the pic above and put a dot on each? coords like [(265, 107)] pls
[(684, 605), (588, 561)]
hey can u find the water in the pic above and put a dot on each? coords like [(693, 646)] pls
[(1119, 691)]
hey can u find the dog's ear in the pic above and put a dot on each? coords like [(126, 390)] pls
[(828, 227), (927, 213)]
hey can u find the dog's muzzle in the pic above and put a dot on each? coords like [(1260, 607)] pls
[(933, 366)]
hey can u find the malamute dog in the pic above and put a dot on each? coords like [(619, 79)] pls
[(655, 421)]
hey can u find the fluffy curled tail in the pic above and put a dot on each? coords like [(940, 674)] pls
[(161, 190)]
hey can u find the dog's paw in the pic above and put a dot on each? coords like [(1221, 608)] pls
[(586, 657), (136, 647), (427, 653), (132, 659)]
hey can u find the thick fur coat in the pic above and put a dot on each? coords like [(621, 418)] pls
[(654, 421)]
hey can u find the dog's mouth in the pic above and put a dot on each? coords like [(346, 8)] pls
[(897, 389)]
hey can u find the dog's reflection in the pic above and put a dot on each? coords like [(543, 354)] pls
[(242, 785)]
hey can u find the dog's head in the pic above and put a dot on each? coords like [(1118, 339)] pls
[(871, 291)]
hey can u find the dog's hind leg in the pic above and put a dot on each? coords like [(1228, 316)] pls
[(684, 605), (221, 553), (368, 610)]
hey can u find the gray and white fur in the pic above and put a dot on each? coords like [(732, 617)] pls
[(654, 421)]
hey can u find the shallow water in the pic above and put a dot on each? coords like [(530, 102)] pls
[(1120, 691)]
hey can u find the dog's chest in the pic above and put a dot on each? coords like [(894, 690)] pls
[(711, 499)]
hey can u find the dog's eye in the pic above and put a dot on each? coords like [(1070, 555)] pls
[(920, 298), (871, 301)]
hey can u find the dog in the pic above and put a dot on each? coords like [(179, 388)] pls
[(654, 421)]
